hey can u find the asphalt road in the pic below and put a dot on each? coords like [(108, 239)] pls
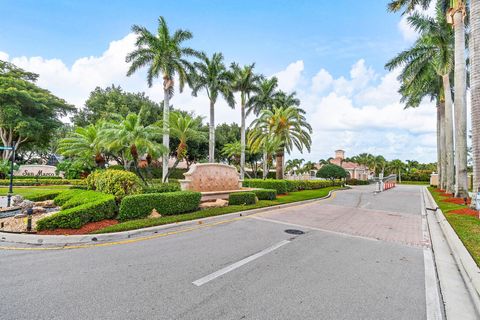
[(360, 257)]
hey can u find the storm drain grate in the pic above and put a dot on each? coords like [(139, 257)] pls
[(294, 231)]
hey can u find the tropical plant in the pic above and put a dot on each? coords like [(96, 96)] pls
[(332, 172), (289, 125), (166, 57), (475, 88), (86, 144), (294, 165), (233, 151), (212, 76), (396, 166), (244, 81)]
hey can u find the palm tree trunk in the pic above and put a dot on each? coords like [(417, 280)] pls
[(211, 129), (439, 151), (242, 141), (166, 133), (265, 165), (443, 156), (461, 189), (449, 165), (475, 88), (279, 163)]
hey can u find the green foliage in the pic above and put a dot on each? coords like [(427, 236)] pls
[(37, 177), (93, 209), (331, 171), (356, 182), (82, 197), (265, 194), (41, 182), (242, 198), (119, 183), (162, 187), (417, 175), (64, 196), (300, 185), (170, 203), (45, 195), (5, 166), (279, 185), (74, 169)]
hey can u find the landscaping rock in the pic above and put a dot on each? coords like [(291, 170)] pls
[(214, 204), (154, 214), (45, 204), (26, 204), (39, 210), (16, 200)]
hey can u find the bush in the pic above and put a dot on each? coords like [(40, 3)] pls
[(331, 171), (74, 218), (279, 185), (36, 177), (169, 203), (156, 173), (44, 195), (265, 194), (82, 197), (65, 196), (299, 185), (74, 169), (356, 182), (419, 175), (42, 182), (162, 187), (242, 198), (119, 183)]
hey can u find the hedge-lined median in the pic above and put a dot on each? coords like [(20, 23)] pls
[(284, 186), (242, 198), (265, 194), (42, 182), (169, 203)]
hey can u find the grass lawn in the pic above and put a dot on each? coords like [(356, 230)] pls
[(144, 223), (423, 183), (31, 193), (466, 227)]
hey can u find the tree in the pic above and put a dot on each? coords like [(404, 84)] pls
[(186, 129), (332, 172), (104, 104), (225, 133), (289, 125), (397, 167), (85, 144), (28, 113), (294, 165), (244, 81), (430, 59), (165, 57), (456, 14), (213, 77), (408, 5), (475, 88)]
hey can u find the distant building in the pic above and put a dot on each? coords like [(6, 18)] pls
[(354, 170)]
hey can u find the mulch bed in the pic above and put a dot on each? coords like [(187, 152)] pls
[(465, 211), (88, 228), (457, 200)]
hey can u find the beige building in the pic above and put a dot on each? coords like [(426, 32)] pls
[(354, 170)]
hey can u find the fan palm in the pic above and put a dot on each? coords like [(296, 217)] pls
[(84, 143), (165, 57), (287, 124), (244, 81), (475, 88), (212, 76)]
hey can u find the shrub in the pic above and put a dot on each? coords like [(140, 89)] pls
[(119, 183), (76, 217), (82, 197), (40, 182), (331, 171), (356, 182), (169, 203), (36, 177), (65, 196), (242, 198), (265, 194), (279, 185), (44, 195), (162, 187), (299, 185)]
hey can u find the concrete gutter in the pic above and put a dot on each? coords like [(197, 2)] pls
[(459, 275), (34, 239)]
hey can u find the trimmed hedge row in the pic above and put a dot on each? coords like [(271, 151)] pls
[(265, 194), (40, 182), (45, 195), (64, 196), (36, 177), (81, 198), (104, 207), (169, 203), (279, 185), (356, 182), (242, 198), (284, 186), (162, 187)]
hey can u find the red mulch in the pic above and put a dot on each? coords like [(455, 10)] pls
[(465, 211), (88, 228), (443, 194), (457, 200), (439, 190)]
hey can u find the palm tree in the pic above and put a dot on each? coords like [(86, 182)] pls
[(408, 5), (212, 76), (287, 124), (84, 143), (185, 128), (165, 57), (129, 136), (265, 98), (244, 81), (268, 147), (294, 165), (475, 88), (397, 166), (232, 151), (430, 58)]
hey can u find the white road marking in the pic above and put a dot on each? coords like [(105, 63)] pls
[(238, 264), (432, 290)]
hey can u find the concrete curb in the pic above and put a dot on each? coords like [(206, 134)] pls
[(115, 236), (465, 263)]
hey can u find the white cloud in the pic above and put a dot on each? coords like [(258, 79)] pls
[(359, 112), (3, 56)]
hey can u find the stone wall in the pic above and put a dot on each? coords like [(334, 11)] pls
[(205, 177)]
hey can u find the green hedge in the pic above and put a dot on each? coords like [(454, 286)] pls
[(169, 203), (119, 183), (64, 196), (40, 182), (162, 187), (81, 198), (102, 208), (279, 185), (36, 177), (44, 195), (265, 194), (356, 182), (242, 198)]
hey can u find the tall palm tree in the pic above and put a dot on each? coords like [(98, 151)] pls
[(456, 14), (475, 88), (244, 81), (430, 59), (166, 57), (84, 143), (397, 166), (185, 128), (408, 5), (289, 125), (212, 76), (268, 147)]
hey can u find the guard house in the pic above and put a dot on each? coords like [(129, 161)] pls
[(354, 170)]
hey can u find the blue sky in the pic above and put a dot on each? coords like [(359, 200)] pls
[(331, 52)]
